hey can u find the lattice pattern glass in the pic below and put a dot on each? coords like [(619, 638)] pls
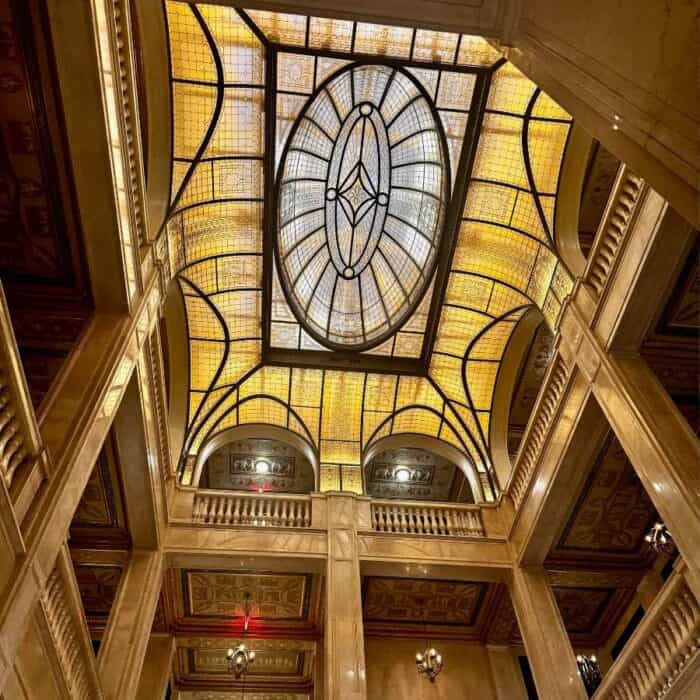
[(361, 203)]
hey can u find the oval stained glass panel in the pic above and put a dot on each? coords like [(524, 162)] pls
[(362, 193)]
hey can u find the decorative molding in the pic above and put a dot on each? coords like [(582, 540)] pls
[(619, 215)]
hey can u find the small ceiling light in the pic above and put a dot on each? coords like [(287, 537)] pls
[(590, 672), (402, 474), (429, 664), (262, 466), (660, 539)]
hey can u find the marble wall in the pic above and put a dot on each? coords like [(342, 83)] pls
[(391, 671)]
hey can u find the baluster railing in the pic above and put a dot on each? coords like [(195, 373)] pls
[(660, 649), (622, 205), (20, 442), (66, 625), (252, 509), (537, 427), (420, 518)]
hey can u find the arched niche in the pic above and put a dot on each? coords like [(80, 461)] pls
[(153, 74), (430, 444), (176, 347), (256, 431), (566, 219), (518, 355)]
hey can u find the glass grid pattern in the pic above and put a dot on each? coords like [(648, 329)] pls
[(504, 261)]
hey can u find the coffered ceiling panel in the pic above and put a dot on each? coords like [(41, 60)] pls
[(611, 518), (215, 601), (281, 667), (406, 607)]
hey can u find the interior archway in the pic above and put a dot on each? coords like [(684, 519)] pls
[(522, 362), (383, 458), (269, 442)]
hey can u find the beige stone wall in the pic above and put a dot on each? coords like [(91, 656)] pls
[(391, 671)]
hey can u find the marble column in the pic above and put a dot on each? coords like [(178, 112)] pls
[(157, 668), (345, 675), (546, 641), (505, 671), (128, 632)]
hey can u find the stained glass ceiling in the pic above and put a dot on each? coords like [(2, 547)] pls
[(484, 146)]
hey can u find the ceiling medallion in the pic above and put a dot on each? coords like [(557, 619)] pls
[(362, 193), (429, 664)]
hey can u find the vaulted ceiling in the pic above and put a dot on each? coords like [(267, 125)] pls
[(243, 84)]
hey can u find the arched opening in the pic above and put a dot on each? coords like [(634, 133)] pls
[(525, 362), (418, 467), (257, 457)]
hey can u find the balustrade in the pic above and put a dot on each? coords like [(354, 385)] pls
[(62, 607), (417, 518), (537, 429), (621, 207), (256, 510), (20, 444), (660, 649)]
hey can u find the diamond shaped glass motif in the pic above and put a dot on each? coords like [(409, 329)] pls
[(359, 231)]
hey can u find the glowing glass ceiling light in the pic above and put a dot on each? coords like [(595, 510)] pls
[(262, 466), (402, 474), (362, 196)]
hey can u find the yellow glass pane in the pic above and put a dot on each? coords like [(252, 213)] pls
[(243, 357), (436, 47), (311, 418), (205, 358), (202, 322), (193, 109), (546, 142), (476, 51), (417, 391), (262, 411), (495, 252), (351, 478), (499, 156), (329, 477), (417, 421), (191, 57), (408, 345), (330, 34), (239, 130), (371, 420), (526, 217), (383, 39), (467, 290), (447, 373), (295, 72), (241, 53), (306, 387), (481, 378), (380, 390), (279, 27), (546, 107), (510, 90), (489, 202), (342, 407), (492, 343), (457, 328), (344, 451), (273, 381)]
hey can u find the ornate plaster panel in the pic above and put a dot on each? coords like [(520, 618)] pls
[(430, 477), (233, 466), (612, 515)]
